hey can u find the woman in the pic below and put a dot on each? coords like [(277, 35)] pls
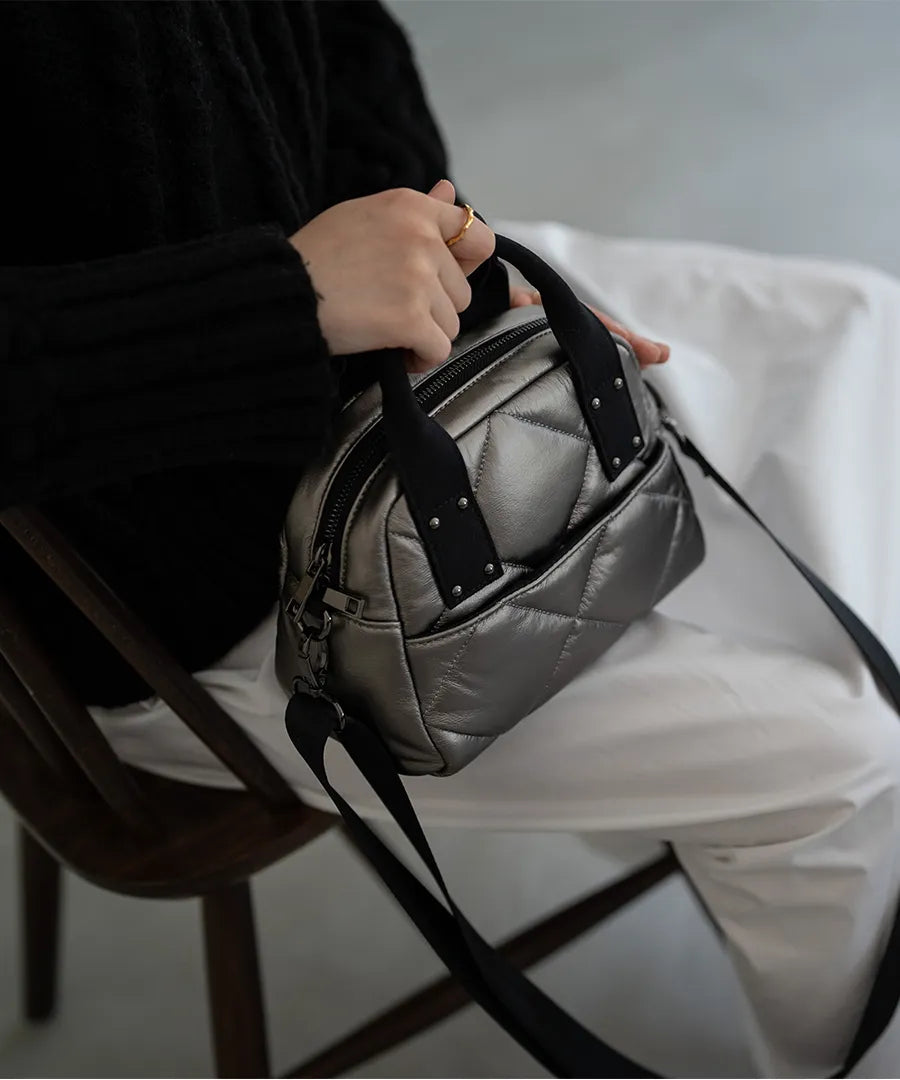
[(228, 199)]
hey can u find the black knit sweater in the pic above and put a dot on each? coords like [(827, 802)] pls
[(163, 377)]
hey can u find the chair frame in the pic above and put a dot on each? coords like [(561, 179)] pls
[(135, 833)]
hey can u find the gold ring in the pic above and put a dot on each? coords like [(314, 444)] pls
[(470, 217)]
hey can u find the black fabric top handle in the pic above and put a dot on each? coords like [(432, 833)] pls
[(536, 1022), (593, 356), (431, 469), (435, 480)]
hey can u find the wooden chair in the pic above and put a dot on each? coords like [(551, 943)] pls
[(126, 830)]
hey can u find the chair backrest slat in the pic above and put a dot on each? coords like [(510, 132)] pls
[(23, 709), (70, 720), (134, 641)]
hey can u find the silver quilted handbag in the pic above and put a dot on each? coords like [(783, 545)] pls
[(480, 536)]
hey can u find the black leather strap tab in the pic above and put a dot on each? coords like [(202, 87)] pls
[(604, 397), (435, 481)]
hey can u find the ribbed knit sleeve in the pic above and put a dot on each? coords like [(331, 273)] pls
[(381, 129), (189, 354)]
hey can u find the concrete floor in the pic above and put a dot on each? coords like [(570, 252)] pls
[(768, 125)]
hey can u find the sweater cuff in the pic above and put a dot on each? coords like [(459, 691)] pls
[(188, 354)]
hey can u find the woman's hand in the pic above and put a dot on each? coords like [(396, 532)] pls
[(384, 275), (648, 352)]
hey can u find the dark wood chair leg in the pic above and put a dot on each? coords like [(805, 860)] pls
[(39, 897), (233, 983)]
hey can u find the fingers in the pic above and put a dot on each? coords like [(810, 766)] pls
[(477, 242), (435, 329), (444, 192), (453, 293), (414, 363), (456, 297), (444, 314), (520, 296), (438, 339), (647, 352), (432, 348), (454, 283)]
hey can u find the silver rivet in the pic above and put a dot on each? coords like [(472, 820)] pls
[(457, 590), (489, 569), (636, 441), (434, 523), (618, 384), (595, 403), (463, 503), (616, 462)]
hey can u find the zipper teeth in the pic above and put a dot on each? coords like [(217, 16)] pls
[(424, 392), (437, 381), (330, 527)]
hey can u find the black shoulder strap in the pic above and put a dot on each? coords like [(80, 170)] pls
[(537, 1023)]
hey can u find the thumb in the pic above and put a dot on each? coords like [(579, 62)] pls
[(444, 191)]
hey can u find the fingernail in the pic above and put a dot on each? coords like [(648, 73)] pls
[(437, 185)]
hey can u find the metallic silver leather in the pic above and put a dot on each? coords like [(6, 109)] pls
[(582, 558)]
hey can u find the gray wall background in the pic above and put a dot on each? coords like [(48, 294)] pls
[(772, 125), (767, 125)]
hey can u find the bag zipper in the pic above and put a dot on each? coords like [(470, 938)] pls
[(367, 455)]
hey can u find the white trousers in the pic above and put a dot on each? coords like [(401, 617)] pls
[(737, 722)]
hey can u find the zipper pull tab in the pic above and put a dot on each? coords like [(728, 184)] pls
[(300, 597), (343, 602)]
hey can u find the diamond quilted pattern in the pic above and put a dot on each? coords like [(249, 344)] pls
[(517, 450), (474, 675), (481, 677), (538, 433), (626, 575), (549, 401)]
